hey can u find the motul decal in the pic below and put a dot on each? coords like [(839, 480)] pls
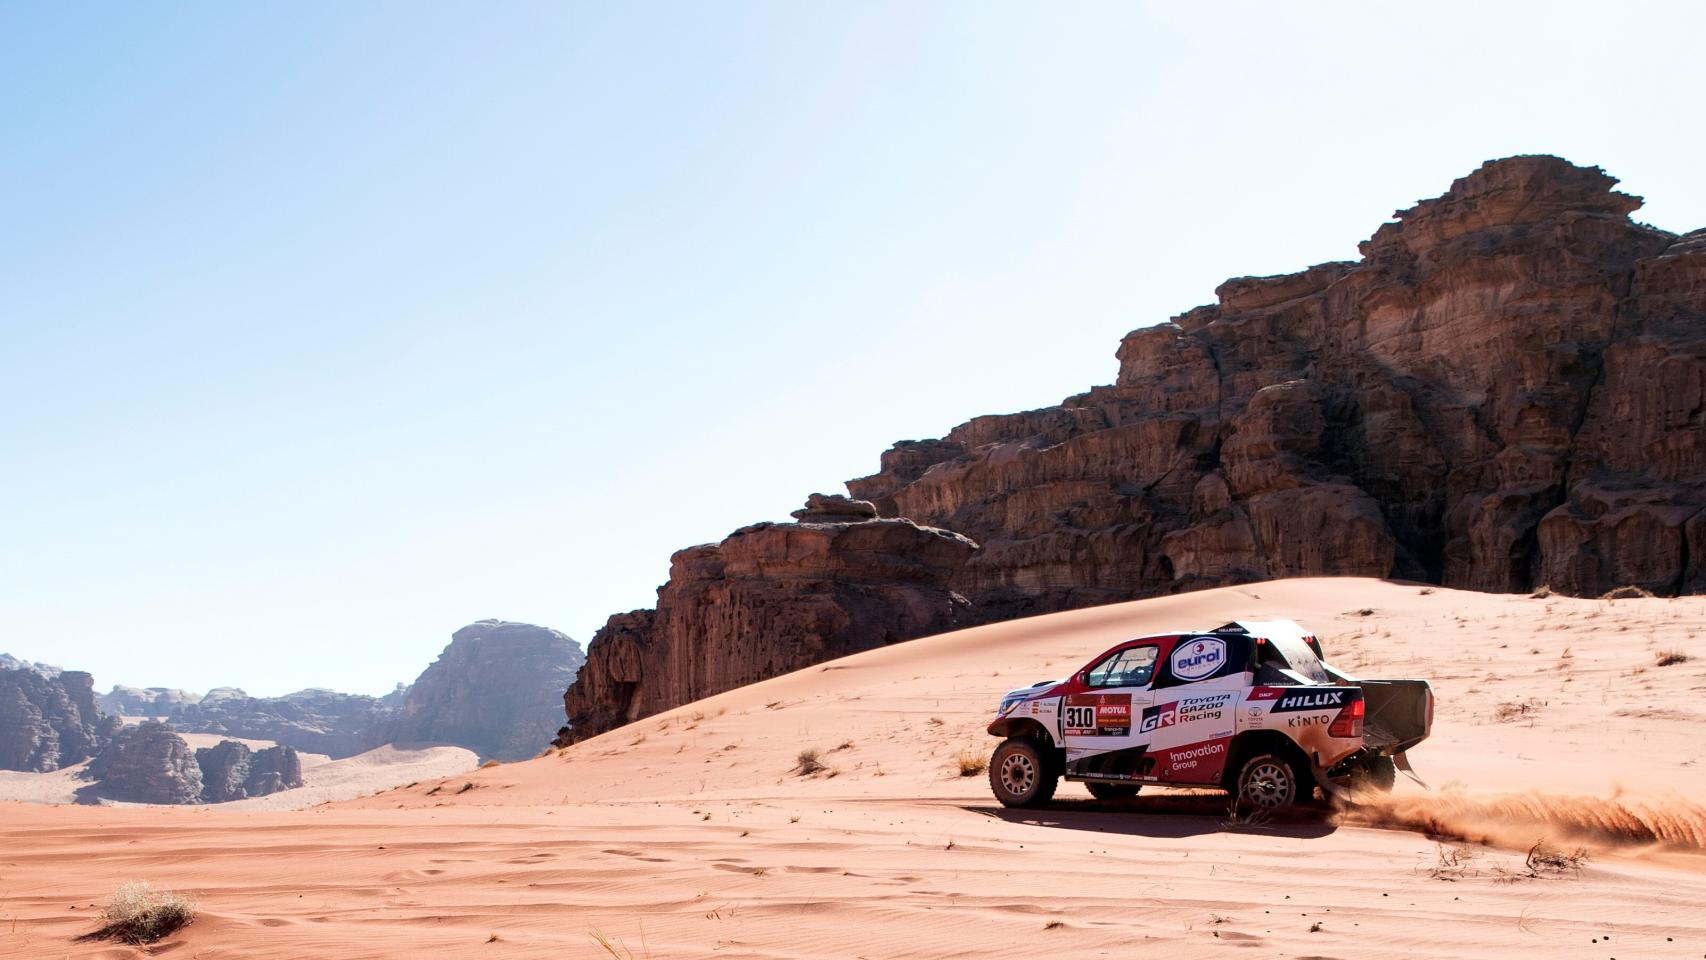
[(1097, 715)]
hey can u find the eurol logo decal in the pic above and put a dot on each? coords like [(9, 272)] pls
[(1198, 658)]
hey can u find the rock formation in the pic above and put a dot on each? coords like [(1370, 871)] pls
[(1506, 390), (312, 720), (49, 721), (771, 598), (496, 689), (231, 771), (148, 763), (125, 701)]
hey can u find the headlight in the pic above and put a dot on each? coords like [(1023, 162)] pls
[(1008, 704)]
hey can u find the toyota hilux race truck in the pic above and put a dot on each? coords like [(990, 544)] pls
[(1251, 707)]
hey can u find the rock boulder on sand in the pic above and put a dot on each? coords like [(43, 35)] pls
[(148, 763), (231, 771), (772, 598), (313, 720)]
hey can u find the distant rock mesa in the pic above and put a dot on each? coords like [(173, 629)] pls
[(496, 689)]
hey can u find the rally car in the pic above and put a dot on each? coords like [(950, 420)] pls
[(1251, 707)]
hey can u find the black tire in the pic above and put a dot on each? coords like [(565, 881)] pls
[(1020, 774), (1113, 791), (1271, 781), (1378, 774)]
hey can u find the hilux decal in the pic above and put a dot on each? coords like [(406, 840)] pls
[(1311, 700)]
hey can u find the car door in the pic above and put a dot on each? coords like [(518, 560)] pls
[(1190, 721), (1101, 713)]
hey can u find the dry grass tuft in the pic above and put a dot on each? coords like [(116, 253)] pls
[(1453, 862), (971, 762), (1628, 592), (808, 762), (1670, 658), (137, 914), (1542, 593), (1515, 710), (1545, 860), (492, 763)]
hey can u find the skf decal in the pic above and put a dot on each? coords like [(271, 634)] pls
[(1097, 715), (1311, 700), (1198, 658)]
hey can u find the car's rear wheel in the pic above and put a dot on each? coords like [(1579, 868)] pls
[(1269, 781), (1379, 774), (1020, 775), (1113, 791)]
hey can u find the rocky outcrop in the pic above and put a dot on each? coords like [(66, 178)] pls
[(312, 720), (231, 771), (1506, 390), (148, 763), (123, 701), (49, 721), (496, 689), (9, 662), (771, 598)]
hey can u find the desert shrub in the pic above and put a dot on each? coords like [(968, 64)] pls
[(1546, 860), (490, 764), (1542, 593), (1670, 658), (808, 762), (971, 762), (1628, 592), (138, 913)]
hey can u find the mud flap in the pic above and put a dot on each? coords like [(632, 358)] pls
[(1402, 762)]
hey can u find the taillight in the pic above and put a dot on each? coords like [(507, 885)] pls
[(1348, 724)]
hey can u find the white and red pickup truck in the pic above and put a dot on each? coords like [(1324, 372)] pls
[(1251, 707)]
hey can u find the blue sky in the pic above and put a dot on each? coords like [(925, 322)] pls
[(326, 329)]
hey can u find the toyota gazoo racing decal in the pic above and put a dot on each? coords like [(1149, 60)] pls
[(1096, 715), (1212, 707)]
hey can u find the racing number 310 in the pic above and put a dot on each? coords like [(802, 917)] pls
[(1080, 718)]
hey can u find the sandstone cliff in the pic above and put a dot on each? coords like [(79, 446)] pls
[(1506, 390), (496, 689), (126, 701), (49, 721), (771, 598)]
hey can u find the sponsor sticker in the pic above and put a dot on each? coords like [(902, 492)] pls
[(1311, 699), (1190, 709), (1198, 658), (1097, 715)]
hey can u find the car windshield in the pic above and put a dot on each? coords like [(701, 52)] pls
[(1131, 667)]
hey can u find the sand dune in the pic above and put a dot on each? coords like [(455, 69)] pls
[(693, 834)]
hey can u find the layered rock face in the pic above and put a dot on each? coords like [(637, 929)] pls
[(771, 598), (1506, 390), (148, 763), (312, 720), (231, 771), (496, 689), (49, 721)]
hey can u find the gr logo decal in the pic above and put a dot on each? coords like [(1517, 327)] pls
[(1198, 658)]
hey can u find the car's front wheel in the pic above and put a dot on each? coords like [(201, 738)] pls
[(1020, 775)]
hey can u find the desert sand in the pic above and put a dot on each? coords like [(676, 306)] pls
[(694, 834)]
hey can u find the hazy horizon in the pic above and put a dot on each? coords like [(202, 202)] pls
[(331, 330)]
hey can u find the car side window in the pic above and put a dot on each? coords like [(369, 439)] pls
[(1131, 667)]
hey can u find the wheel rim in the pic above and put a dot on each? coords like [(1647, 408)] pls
[(1268, 783), (1018, 774)]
